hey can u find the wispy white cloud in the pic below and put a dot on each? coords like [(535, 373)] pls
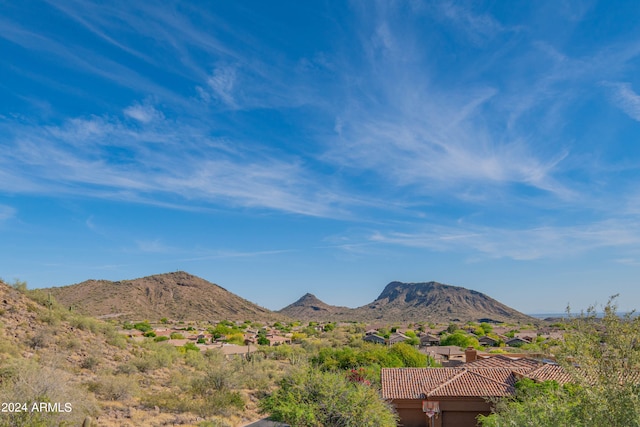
[(155, 158), (220, 86), (144, 113), (7, 212), (478, 27), (542, 242), (625, 98), (153, 246)]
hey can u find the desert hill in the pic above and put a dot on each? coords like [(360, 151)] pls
[(45, 353), (430, 301), (100, 377), (177, 295), (436, 301), (309, 307)]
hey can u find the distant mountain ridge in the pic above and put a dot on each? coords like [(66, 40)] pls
[(182, 296), (426, 301), (177, 295)]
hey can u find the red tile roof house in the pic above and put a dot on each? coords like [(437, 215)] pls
[(460, 394)]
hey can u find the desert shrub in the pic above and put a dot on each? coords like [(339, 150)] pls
[(41, 339), (310, 398), (189, 347), (409, 356), (460, 339), (195, 359), (90, 363), (236, 338), (214, 423), (126, 368), (143, 326), (208, 395), (114, 337), (169, 401), (223, 402), (260, 375), (294, 354), (156, 356), (161, 338), (28, 382), (86, 324), (216, 379), (9, 348), (19, 285), (127, 325), (109, 387), (50, 317), (176, 336)]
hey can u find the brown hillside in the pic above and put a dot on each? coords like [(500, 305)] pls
[(49, 353), (178, 295), (309, 307), (433, 301)]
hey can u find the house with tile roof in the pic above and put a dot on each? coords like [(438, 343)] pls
[(397, 337), (375, 338), (427, 340), (458, 395)]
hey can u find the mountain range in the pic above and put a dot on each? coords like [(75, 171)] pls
[(428, 301), (182, 296)]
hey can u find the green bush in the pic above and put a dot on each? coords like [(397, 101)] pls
[(460, 339), (143, 326), (190, 347), (315, 398)]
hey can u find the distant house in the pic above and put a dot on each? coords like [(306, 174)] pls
[(374, 338), (278, 339), (456, 396), (447, 355), (397, 337), (527, 336), (427, 340), (487, 341), (516, 342)]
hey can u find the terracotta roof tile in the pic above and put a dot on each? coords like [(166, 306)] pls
[(413, 383), (472, 384), (522, 365), (492, 377), (549, 372)]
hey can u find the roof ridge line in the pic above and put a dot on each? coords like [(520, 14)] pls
[(491, 379), (459, 374)]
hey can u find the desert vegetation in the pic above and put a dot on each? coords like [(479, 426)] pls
[(145, 372), (52, 353), (603, 357)]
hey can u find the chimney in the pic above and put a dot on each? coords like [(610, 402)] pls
[(470, 355)]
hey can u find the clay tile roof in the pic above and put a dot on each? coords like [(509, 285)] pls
[(413, 383), (492, 377), (551, 372), (522, 365), (473, 384)]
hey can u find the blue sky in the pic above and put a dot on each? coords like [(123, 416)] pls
[(278, 148)]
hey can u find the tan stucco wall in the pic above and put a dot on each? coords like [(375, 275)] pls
[(456, 412)]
